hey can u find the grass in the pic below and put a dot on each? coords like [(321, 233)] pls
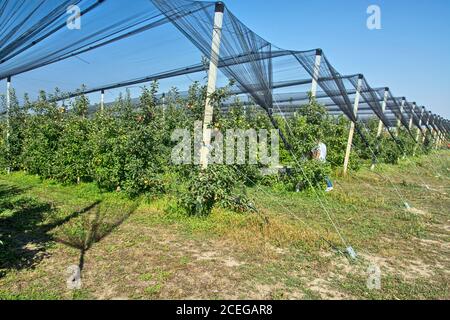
[(147, 249)]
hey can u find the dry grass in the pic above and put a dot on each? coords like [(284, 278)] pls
[(152, 252)]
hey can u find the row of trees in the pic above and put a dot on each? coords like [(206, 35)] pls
[(128, 146)]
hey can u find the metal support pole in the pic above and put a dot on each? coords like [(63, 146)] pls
[(380, 124), (419, 129), (435, 133), (316, 73), (352, 125), (212, 80), (426, 128), (411, 119), (102, 101), (8, 124), (420, 123), (164, 104), (383, 108), (441, 133), (399, 122), (438, 133)]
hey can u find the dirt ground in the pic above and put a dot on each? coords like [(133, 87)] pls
[(283, 252)]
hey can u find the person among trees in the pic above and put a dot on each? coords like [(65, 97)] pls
[(319, 153)]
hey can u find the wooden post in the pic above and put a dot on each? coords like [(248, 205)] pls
[(102, 101), (352, 125), (212, 80), (8, 125), (316, 73)]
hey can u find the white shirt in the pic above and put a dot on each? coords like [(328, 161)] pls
[(322, 148)]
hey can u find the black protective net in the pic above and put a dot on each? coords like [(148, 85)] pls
[(124, 47), (36, 33), (410, 110), (394, 107), (328, 79), (371, 98), (254, 75)]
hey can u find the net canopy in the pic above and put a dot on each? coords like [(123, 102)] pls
[(118, 45)]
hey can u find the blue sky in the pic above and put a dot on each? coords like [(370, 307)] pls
[(410, 54)]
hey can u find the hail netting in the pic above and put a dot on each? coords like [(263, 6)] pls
[(371, 97), (38, 49), (426, 120), (394, 105), (446, 126), (256, 63), (439, 124), (401, 115), (117, 45), (23, 24), (410, 110), (433, 122), (421, 116), (254, 76), (328, 79), (36, 34), (442, 126)]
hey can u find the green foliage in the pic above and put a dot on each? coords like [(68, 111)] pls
[(306, 128), (42, 135), (73, 155), (336, 138), (240, 117), (129, 150), (107, 141), (12, 147), (127, 147), (306, 175), (310, 125), (4, 162), (428, 143), (218, 184), (407, 141), (382, 149)]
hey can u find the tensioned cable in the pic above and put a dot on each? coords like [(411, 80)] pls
[(289, 211), (312, 187)]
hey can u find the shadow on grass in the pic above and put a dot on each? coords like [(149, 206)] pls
[(25, 228), (94, 228)]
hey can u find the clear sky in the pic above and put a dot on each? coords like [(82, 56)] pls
[(410, 54)]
